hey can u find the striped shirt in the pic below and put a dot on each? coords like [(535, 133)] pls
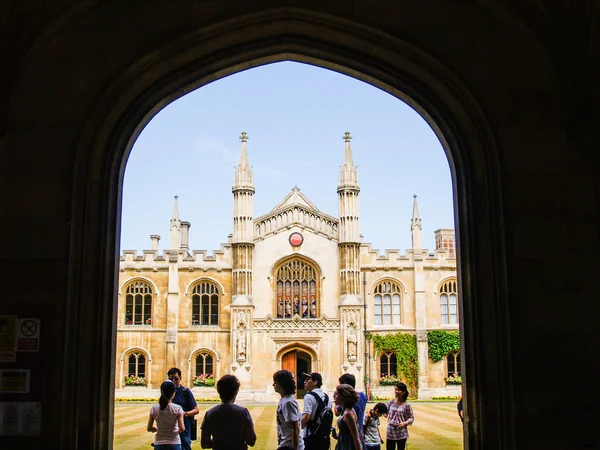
[(398, 413)]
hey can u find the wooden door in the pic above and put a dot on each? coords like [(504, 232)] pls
[(288, 362)]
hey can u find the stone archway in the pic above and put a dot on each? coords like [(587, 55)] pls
[(181, 64)]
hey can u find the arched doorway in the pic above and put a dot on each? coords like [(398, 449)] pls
[(297, 362)]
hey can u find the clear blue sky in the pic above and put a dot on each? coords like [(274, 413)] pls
[(295, 116)]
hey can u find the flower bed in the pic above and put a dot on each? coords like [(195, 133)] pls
[(204, 380), (132, 380)]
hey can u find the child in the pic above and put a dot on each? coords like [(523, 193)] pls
[(169, 419), (371, 423), (400, 416)]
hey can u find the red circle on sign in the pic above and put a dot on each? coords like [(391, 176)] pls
[(296, 239)]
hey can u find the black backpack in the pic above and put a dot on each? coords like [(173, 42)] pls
[(319, 428)]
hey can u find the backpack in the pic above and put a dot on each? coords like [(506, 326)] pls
[(319, 428)]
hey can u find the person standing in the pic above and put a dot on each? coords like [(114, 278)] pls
[(185, 399), (360, 406), (348, 438), (288, 412), (228, 426), (169, 419), (371, 424), (459, 408), (314, 400), (400, 415)]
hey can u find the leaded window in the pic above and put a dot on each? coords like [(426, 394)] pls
[(138, 304), (387, 365), (205, 304), (204, 364), (387, 303), (296, 290), (453, 364), (136, 365), (449, 303)]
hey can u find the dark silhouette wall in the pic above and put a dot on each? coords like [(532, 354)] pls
[(510, 87)]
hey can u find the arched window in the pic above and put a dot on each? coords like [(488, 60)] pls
[(297, 291), (136, 365), (453, 364), (204, 364), (387, 303), (205, 304), (138, 304), (449, 303), (387, 365)]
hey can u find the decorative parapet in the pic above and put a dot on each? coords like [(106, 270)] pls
[(274, 222), (296, 323)]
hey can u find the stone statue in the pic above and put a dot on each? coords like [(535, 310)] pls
[(241, 344), (352, 342)]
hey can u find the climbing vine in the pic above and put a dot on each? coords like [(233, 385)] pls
[(442, 342), (407, 363)]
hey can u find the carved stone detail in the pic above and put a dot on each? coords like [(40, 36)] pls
[(296, 323)]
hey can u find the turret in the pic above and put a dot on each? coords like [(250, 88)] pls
[(243, 228), (349, 232)]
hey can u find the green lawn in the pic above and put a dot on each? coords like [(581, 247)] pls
[(436, 426)]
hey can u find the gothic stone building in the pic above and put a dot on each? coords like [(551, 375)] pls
[(286, 291)]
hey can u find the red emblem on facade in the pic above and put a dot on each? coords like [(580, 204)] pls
[(296, 239)]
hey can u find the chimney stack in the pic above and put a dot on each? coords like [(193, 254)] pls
[(185, 235), (154, 238)]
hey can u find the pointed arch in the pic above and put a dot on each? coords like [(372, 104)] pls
[(297, 287)]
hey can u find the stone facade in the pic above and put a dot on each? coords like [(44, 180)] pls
[(286, 290)]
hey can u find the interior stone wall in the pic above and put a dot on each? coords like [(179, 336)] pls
[(510, 87)]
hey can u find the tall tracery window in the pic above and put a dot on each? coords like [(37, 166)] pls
[(204, 364), (449, 303), (136, 364), (138, 304), (205, 304), (387, 303), (387, 365), (297, 291), (453, 364)]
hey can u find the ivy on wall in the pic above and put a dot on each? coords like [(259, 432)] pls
[(407, 363), (442, 342)]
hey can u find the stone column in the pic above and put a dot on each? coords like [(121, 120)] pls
[(241, 342), (173, 297)]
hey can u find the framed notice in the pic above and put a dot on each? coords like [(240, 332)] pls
[(8, 326), (20, 418), (14, 381)]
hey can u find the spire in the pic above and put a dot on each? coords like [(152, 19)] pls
[(175, 217), (416, 226), (348, 172), (347, 150), (243, 171), (416, 220), (175, 226)]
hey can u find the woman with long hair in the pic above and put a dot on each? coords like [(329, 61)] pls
[(348, 438), (169, 419), (400, 415)]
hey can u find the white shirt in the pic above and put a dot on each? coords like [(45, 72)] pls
[(311, 405)]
